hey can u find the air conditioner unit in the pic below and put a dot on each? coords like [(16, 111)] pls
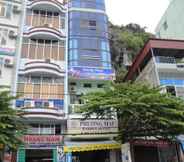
[(47, 60), (8, 62), (29, 104), (12, 34), (16, 9)]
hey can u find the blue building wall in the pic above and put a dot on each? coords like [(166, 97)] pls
[(88, 36)]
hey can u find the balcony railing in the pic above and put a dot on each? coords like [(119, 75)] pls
[(42, 91), (35, 50), (44, 20), (166, 60)]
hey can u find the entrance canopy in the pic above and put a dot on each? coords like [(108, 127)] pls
[(91, 146)]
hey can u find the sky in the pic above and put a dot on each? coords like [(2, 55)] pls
[(146, 13)]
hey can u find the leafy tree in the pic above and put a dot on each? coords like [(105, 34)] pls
[(142, 111), (11, 127), (130, 39)]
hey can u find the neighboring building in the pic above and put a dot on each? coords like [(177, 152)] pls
[(63, 53), (171, 24), (10, 19), (161, 63), (41, 78)]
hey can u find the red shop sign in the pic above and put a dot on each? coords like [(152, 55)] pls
[(42, 139)]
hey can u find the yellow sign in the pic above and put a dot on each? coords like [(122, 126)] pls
[(91, 147)]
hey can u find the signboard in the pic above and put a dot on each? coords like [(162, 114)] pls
[(60, 154), (42, 139), (151, 143), (7, 51), (92, 126), (125, 153), (91, 73)]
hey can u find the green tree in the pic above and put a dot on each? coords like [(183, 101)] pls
[(11, 127), (142, 111), (130, 39)]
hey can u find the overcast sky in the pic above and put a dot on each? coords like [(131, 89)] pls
[(144, 12)]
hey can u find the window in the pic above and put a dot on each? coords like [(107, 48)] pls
[(171, 90), (165, 25), (47, 80), (47, 129), (100, 85), (35, 79), (58, 129), (2, 9), (73, 84), (87, 85), (92, 23), (3, 36), (5, 10)]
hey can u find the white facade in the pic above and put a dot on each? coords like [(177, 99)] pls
[(10, 20)]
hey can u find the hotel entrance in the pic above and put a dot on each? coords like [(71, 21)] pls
[(35, 155)]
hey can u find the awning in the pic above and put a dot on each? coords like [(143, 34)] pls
[(91, 146)]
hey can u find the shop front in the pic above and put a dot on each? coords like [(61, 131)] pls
[(150, 150), (40, 148), (92, 141), (103, 151)]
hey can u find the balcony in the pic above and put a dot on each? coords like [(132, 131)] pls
[(52, 5), (49, 109), (54, 20), (44, 68), (44, 49), (44, 32), (164, 63)]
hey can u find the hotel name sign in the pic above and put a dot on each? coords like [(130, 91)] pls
[(42, 139), (92, 126)]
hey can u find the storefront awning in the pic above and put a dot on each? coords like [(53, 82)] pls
[(91, 146)]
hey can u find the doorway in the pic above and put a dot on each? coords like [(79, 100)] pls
[(39, 155)]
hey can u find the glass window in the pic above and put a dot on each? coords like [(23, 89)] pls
[(87, 85), (100, 85), (46, 129), (3, 36), (47, 80), (35, 79), (2, 9), (22, 79)]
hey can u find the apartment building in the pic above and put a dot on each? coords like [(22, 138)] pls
[(171, 24), (10, 19), (62, 52)]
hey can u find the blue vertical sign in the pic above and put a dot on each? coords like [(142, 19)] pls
[(69, 157)]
